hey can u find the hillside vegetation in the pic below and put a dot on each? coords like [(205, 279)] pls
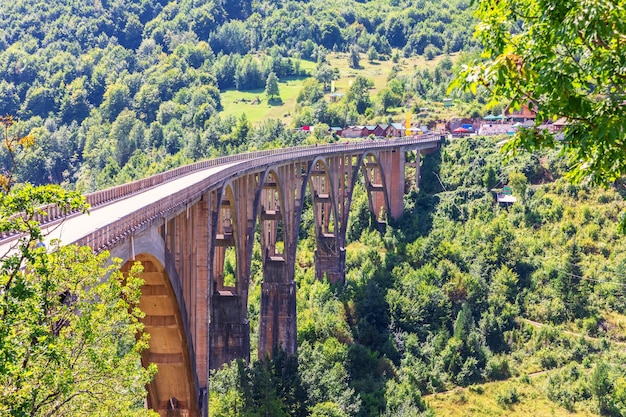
[(117, 90), (458, 293), (522, 307)]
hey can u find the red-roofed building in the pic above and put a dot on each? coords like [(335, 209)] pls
[(523, 114)]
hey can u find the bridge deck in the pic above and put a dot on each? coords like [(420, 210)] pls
[(76, 227)]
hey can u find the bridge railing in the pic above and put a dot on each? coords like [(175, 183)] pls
[(125, 226)]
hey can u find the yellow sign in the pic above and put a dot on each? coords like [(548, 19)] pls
[(407, 124)]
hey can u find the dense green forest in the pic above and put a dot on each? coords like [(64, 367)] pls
[(459, 292), (117, 90)]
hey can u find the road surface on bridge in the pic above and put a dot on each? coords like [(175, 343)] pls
[(79, 225)]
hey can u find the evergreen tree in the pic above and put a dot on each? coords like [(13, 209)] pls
[(354, 59), (271, 86)]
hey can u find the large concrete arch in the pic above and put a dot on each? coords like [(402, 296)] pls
[(329, 253), (269, 205), (321, 184), (277, 324), (175, 385), (229, 333)]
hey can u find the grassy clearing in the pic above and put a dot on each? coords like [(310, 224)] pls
[(377, 71), (255, 105), (616, 326), (493, 399), (254, 102), (236, 102)]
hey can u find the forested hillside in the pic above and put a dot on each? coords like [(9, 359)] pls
[(116, 90), (459, 292)]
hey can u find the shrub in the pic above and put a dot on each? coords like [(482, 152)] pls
[(507, 397), (498, 368)]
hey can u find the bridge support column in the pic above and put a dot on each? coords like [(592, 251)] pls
[(230, 332), (330, 261), (232, 231), (392, 163), (278, 310), (279, 217)]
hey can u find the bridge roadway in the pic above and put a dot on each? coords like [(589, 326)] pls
[(181, 225)]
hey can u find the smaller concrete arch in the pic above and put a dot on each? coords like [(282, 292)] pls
[(320, 183), (169, 348), (375, 184), (329, 252), (270, 205), (225, 262)]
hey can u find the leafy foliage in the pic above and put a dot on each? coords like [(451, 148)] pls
[(97, 97), (564, 60), (448, 296), (70, 333)]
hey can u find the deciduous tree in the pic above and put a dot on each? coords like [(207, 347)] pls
[(271, 86), (565, 60), (69, 319)]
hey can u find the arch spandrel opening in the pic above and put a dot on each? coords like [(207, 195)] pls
[(374, 180), (225, 253), (329, 253), (323, 201), (173, 387), (271, 219), (347, 177)]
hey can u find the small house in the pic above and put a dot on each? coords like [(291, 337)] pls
[(559, 124), (521, 115), (334, 97), (353, 132), (505, 196), (395, 130)]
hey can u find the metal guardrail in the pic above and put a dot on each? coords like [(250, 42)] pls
[(112, 233)]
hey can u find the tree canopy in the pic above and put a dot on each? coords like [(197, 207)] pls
[(566, 60), (271, 86), (70, 330), (149, 74)]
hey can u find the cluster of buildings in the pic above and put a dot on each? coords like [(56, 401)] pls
[(381, 130), (506, 123)]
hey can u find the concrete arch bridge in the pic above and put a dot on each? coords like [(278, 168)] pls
[(193, 228)]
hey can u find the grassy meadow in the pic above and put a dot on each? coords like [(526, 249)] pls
[(517, 397), (255, 105), (377, 71)]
